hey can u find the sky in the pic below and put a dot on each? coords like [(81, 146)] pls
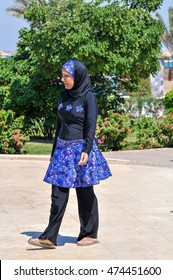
[(9, 26)]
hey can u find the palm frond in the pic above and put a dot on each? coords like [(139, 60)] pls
[(170, 11), (162, 21), (24, 3), (42, 2), (16, 12), (20, 6), (167, 36)]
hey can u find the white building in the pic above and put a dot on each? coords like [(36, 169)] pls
[(6, 54)]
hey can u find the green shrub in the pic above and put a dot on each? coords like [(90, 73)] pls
[(149, 134), (166, 126), (112, 131), (168, 101), (12, 139)]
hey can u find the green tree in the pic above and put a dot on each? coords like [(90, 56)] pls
[(112, 40), (144, 89), (147, 5), (6, 73)]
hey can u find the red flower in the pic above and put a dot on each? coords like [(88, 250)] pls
[(100, 141), (14, 137), (19, 145), (2, 123), (5, 144)]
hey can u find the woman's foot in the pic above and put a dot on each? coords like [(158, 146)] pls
[(86, 241), (41, 243)]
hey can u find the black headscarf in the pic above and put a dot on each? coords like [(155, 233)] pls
[(82, 82)]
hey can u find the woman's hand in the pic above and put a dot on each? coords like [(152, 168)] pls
[(83, 159)]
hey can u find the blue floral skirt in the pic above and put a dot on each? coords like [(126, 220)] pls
[(64, 171)]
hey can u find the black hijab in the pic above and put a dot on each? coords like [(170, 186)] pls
[(82, 82)]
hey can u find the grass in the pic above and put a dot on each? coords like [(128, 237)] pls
[(44, 147), (38, 147)]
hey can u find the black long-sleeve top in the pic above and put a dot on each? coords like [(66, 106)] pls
[(76, 119)]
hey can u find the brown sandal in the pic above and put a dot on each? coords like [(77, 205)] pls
[(41, 243), (87, 241)]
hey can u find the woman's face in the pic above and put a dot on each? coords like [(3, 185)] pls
[(67, 79)]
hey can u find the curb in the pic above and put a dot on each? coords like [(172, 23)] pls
[(47, 158), (25, 157)]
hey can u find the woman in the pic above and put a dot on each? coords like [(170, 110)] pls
[(76, 161)]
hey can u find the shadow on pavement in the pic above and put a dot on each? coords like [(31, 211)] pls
[(61, 240)]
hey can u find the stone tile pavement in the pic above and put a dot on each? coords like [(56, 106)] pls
[(135, 207)]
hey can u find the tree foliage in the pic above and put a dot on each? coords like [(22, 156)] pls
[(148, 5), (113, 39), (6, 73), (110, 39), (144, 89)]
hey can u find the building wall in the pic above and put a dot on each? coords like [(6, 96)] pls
[(168, 79)]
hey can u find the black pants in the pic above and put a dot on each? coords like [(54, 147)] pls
[(87, 207)]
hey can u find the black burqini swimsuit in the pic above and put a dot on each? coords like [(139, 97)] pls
[(75, 133)]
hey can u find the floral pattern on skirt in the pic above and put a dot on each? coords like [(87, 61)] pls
[(63, 170)]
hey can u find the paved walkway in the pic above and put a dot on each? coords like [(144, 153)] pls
[(135, 206)]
